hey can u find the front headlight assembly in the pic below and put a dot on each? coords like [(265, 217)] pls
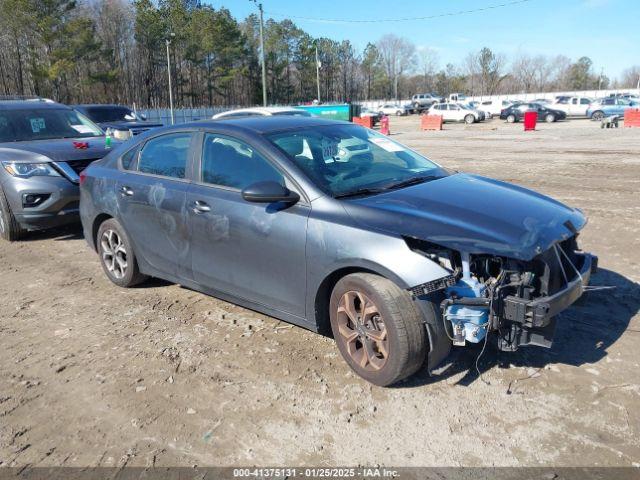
[(26, 170)]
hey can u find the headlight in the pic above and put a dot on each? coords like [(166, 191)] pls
[(25, 170)]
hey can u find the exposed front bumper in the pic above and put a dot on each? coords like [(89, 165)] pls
[(533, 321)]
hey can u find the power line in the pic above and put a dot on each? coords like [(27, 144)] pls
[(405, 19)]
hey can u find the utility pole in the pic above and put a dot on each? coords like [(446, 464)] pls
[(168, 42), (318, 73), (264, 66)]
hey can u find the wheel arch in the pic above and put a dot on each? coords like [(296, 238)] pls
[(326, 286), (97, 221)]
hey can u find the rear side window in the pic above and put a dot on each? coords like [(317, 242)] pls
[(128, 159), (584, 101), (166, 155), (232, 163)]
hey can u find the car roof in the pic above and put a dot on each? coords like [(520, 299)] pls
[(262, 110), (31, 105), (100, 105), (266, 124)]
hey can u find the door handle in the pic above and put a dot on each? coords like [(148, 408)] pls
[(126, 191), (200, 207)]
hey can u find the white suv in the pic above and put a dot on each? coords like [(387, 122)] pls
[(454, 112)]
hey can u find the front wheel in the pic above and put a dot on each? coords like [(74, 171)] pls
[(511, 118), (398, 113), (378, 328), (117, 256), (469, 119), (10, 229), (598, 115)]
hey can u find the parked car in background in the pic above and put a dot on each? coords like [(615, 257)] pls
[(118, 118), (44, 146), (515, 112), (606, 107), (455, 112), (392, 109), (494, 107), (542, 101), (475, 105), (423, 101), (457, 97), (573, 106), (388, 251), (365, 112), (262, 112)]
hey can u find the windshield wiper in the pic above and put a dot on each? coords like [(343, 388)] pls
[(360, 191), (410, 181)]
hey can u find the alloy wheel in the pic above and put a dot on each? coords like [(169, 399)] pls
[(362, 331), (114, 253)]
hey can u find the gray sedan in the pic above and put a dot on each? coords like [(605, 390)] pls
[(394, 256)]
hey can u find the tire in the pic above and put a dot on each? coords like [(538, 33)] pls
[(416, 106), (398, 113), (469, 119), (10, 229), (393, 331), (597, 115), (511, 118), (550, 118), (117, 256)]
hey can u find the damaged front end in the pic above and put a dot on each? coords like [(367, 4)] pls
[(516, 299)]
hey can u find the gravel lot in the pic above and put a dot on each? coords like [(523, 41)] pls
[(93, 375)]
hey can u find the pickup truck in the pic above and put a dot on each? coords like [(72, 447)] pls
[(573, 106)]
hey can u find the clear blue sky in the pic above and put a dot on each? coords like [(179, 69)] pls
[(607, 31)]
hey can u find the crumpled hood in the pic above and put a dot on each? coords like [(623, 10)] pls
[(56, 150), (473, 214)]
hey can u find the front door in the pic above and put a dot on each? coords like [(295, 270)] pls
[(250, 250), (151, 202)]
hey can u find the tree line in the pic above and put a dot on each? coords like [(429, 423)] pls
[(115, 51)]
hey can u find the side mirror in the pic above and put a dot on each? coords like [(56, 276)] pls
[(269, 192), (143, 117)]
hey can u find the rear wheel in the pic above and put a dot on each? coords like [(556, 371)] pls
[(550, 118), (10, 229), (511, 118), (469, 119), (597, 115), (117, 256), (398, 113), (378, 328)]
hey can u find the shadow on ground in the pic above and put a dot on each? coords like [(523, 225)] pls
[(583, 334)]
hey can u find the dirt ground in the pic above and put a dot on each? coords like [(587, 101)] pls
[(94, 375)]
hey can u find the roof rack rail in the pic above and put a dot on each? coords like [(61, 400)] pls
[(24, 98)]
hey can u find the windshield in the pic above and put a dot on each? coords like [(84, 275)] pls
[(45, 124), (110, 114), (345, 160)]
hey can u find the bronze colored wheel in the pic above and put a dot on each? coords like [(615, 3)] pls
[(377, 328), (362, 329)]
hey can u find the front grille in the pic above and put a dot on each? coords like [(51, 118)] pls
[(79, 165)]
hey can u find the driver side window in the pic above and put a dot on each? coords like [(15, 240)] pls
[(229, 162)]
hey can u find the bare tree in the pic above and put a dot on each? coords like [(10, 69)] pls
[(428, 64), (398, 57)]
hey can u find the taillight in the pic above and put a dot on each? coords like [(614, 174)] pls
[(83, 177)]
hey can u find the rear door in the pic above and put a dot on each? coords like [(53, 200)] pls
[(151, 199), (251, 250)]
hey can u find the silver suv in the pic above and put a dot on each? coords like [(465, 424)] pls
[(424, 101), (44, 146)]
